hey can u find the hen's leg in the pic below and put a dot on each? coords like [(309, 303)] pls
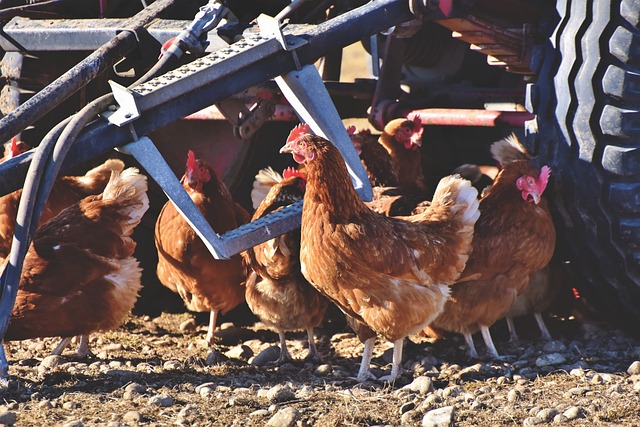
[(61, 346), (491, 348), (471, 347), (83, 347), (213, 318), (513, 335), (284, 352), (365, 373), (396, 366), (313, 352), (543, 328)]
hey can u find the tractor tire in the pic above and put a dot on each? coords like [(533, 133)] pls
[(587, 101)]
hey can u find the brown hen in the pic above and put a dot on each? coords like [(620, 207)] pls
[(185, 265), (390, 274), (277, 292), (79, 274)]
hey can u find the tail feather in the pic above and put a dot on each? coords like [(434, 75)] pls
[(508, 150), (265, 179), (458, 192), (95, 179), (129, 189)]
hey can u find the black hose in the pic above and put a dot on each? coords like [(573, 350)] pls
[(79, 76)]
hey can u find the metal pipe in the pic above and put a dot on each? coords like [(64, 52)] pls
[(466, 117), (77, 77)]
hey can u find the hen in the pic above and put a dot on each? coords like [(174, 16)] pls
[(79, 275), (185, 265), (66, 191), (391, 275), (542, 289), (276, 290), (375, 158), (514, 238), (402, 138)]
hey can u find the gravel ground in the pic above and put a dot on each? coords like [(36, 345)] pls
[(157, 372)]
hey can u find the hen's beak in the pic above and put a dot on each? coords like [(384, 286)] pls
[(287, 148), (535, 196)]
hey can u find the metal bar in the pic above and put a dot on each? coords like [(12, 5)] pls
[(154, 164), (305, 91), (465, 117), (266, 63), (53, 35)]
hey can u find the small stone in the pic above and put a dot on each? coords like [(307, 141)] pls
[(135, 388), (554, 347), (547, 415), (259, 413), (280, 393), (560, 419), (44, 404), (239, 352), (172, 365), (452, 391), (51, 361), (532, 421), (187, 412), (636, 386), (634, 368), (616, 389), (73, 423), (551, 359), (70, 405), (8, 418), (513, 395), (162, 400), (573, 413), (410, 418), (286, 417), (323, 370), (421, 385), (188, 325), (132, 417), (577, 372), (597, 379), (441, 417), (268, 355), (408, 406)]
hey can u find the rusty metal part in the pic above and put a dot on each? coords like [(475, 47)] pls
[(467, 117), (509, 48)]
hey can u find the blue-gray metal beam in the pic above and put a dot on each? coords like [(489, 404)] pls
[(217, 76), (60, 35)]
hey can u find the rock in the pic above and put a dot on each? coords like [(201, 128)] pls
[(172, 365), (323, 370), (162, 400), (259, 413), (268, 355), (132, 417), (452, 391), (554, 347), (280, 393), (441, 417), (421, 385), (286, 417), (406, 407), (188, 325), (560, 419), (551, 359), (44, 404), (547, 415), (305, 392), (51, 361), (70, 405), (634, 368), (239, 352), (135, 388), (8, 418), (187, 412), (513, 395), (73, 423), (573, 413), (410, 418), (532, 421)]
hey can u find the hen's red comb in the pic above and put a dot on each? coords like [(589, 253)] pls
[(545, 173), (290, 171), (298, 131), (15, 150), (417, 123), (351, 130), (192, 163)]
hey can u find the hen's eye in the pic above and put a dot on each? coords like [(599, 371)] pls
[(530, 181)]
